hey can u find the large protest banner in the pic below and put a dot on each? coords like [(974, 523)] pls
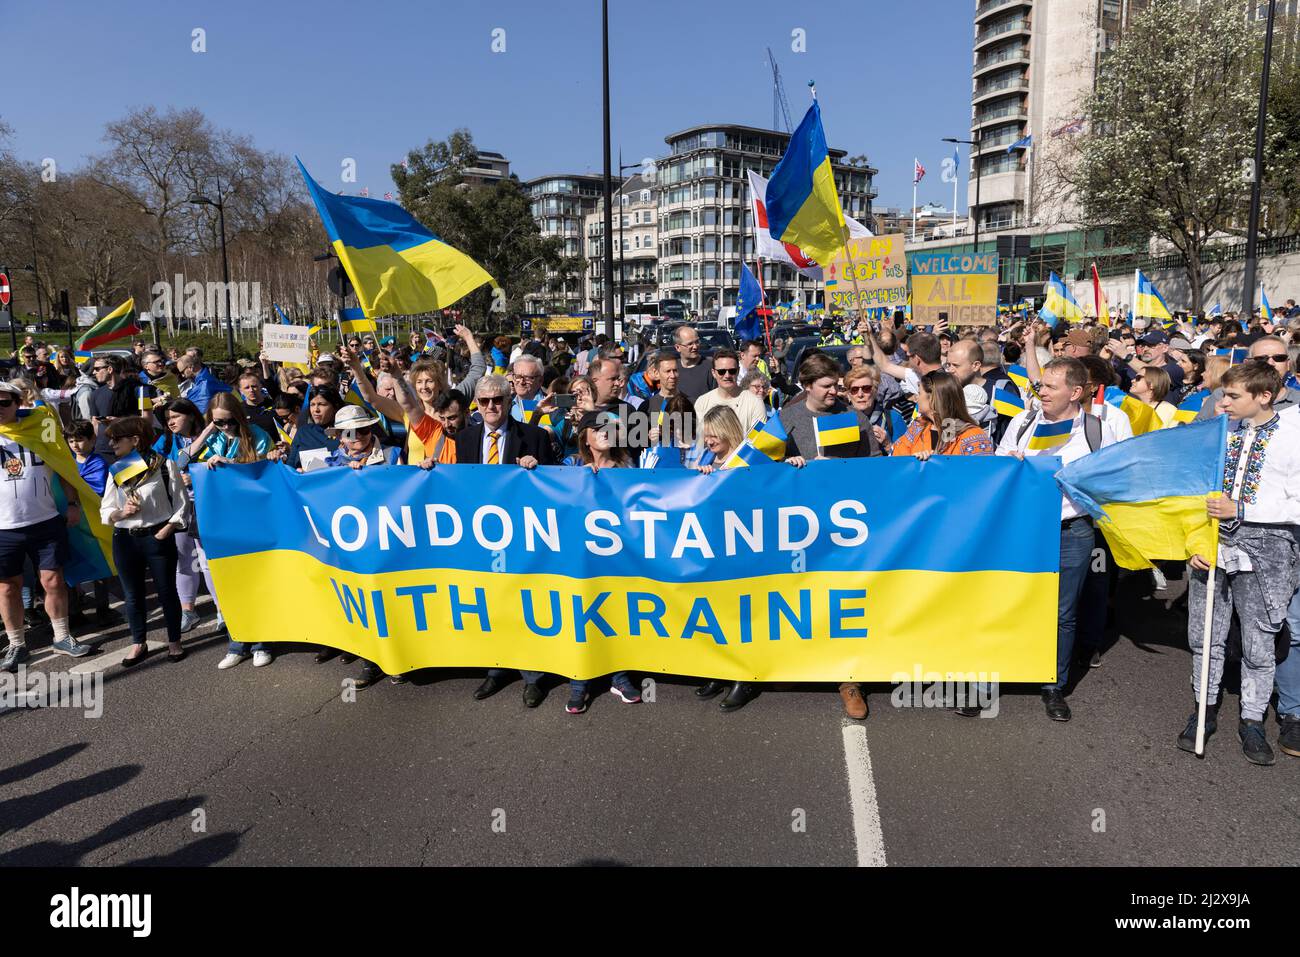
[(959, 287), (868, 274), (863, 569)]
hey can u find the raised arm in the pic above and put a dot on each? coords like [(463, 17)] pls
[(382, 404)]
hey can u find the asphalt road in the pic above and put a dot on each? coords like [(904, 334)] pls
[(189, 765)]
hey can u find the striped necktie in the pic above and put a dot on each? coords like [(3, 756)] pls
[(493, 456)]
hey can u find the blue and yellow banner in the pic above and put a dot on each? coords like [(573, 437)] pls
[(814, 574)]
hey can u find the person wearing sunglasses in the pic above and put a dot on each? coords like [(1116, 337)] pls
[(31, 529), (749, 409), (145, 510), (1272, 351), (228, 435), (500, 440)]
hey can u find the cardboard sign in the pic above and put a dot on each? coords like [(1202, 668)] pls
[(868, 274), (959, 287), (286, 343)]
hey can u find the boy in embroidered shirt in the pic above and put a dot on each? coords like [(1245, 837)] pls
[(1259, 552)]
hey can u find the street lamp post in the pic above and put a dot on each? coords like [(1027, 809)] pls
[(609, 212), (975, 161), (1252, 227), (36, 281), (220, 204)]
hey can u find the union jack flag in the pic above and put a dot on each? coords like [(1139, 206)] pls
[(388, 196), (918, 171), (1074, 126)]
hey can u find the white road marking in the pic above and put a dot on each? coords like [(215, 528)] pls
[(867, 835)]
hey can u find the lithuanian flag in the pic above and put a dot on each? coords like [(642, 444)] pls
[(118, 324)]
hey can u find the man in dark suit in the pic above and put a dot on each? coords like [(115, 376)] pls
[(501, 440)]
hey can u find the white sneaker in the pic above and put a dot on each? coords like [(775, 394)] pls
[(261, 658), (230, 661)]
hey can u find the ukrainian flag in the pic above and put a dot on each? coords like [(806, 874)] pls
[(802, 205), (1190, 407), (745, 456), (1049, 435), (1020, 376), (1236, 356), (838, 429), (1148, 495), (1007, 403), (1141, 416), (396, 265), (1060, 304), (353, 322), (90, 541), (1264, 306), (127, 468), (769, 438), (1148, 302)]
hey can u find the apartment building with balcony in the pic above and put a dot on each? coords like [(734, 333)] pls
[(636, 247), (560, 204), (701, 191)]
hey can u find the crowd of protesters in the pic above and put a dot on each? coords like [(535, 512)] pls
[(599, 404)]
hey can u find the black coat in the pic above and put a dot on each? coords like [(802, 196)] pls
[(519, 440)]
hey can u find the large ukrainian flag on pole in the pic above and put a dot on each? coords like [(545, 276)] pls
[(1148, 494), (1147, 301), (802, 206), (1060, 304), (396, 265)]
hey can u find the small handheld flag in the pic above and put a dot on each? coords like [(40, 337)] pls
[(1007, 403), (1190, 407), (1060, 304), (142, 400), (127, 468), (1050, 435), (838, 429), (353, 322), (1264, 307), (769, 438)]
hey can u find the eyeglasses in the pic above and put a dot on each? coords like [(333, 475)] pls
[(491, 400), (6, 403), (1281, 358), (862, 389), (724, 371), (99, 368), (225, 423)]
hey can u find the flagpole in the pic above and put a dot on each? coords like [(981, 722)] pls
[(913, 201), (1205, 652), (955, 177)]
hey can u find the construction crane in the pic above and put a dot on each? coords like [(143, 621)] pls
[(780, 108)]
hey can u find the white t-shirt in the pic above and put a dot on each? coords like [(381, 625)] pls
[(748, 407), (25, 494), (1070, 451)]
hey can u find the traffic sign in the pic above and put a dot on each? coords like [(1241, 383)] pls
[(4, 289)]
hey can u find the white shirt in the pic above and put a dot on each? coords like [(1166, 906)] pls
[(748, 407), (911, 382), (25, 494), (1076, 448), (161, 495)]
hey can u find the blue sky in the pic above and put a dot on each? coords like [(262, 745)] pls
[(333, 79)]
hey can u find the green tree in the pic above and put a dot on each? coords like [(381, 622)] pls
[(1171, 125), (493, 225)]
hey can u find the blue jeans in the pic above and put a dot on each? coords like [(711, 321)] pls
[(530, 677), (243, 647), (1288, 672), (577, 687), (1076, 553)]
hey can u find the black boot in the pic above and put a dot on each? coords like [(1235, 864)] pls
[(710, 690), (1254, 744), (739, 696), (1187, 740)]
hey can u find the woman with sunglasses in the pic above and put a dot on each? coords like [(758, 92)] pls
[(145, 502), (1151, 386), (943, 425), (597, 452), (229, 436), (313, 432), (183, 422), (862, 384)]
